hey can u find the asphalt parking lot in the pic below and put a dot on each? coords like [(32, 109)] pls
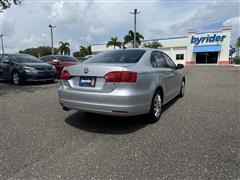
[(197, 137)]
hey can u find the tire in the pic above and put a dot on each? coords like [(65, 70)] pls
[(51, 81), (156, 107), (182, 89), (16, 78)]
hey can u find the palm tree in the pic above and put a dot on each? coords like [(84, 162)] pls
[(154, 44), (64, 48), (238, 44), (130, 37), (114, 42)]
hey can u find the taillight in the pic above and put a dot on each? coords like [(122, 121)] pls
[(121, 76), (65, 75)]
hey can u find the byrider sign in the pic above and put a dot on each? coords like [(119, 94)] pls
[(208, 39)]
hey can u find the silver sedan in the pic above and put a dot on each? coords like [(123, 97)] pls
[(124, 82)]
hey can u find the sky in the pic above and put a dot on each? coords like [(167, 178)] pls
[(86, 22)]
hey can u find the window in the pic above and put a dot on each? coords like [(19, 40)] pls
[(179, 56), (5, 58), (65, 58), (46, 59), (117, 56), (157, 60), (169, 61), (20, 58)]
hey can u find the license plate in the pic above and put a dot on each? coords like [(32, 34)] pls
[(86, 81)]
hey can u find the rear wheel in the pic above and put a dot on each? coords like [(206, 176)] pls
[(16, 79), (156, 108)]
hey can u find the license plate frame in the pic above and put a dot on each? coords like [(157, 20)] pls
[(87, 81)]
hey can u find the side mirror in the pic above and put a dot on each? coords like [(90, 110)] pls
[(180, 66), (6, 61)]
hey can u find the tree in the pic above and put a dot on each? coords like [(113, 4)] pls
[(39, 51), (129, 38), (76, 54), (83, 51), (4, 4), (154, 44), (238, 43), (114, 42), (64, 48)]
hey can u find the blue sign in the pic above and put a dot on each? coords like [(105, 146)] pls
[(208, 39)]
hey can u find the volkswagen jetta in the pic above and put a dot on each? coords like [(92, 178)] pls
[(122, 82)]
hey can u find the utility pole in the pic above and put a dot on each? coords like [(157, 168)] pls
[(51, 27), (2, 43), (135, 24)]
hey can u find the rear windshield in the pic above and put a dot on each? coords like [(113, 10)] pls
[(67, 59), (25, 59), (118, 56)]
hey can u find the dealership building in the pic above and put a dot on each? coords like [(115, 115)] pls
[(195, 48)]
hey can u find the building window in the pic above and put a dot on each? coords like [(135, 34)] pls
[(179, 56)]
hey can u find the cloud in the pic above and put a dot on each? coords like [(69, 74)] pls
[(87, 39), (206, 18), (90, 22), (26, 42), (8, 26), (69, 12), (34, 40), (75, 20), (97, 30), (156, 32), (213, 13), (234, 22)]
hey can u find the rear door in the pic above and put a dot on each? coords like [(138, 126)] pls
[(164, 72), (176, 79)]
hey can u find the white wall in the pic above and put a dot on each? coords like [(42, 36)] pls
[(183, 45), (225, 44)]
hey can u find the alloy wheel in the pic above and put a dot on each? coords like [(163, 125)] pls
[(183, 88), (157, 106), (16, 78)]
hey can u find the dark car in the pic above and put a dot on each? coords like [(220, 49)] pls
[(60, 61), (22, 67)]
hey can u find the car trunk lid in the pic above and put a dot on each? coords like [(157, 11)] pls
[(93, 72)]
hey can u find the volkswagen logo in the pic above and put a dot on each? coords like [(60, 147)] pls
[(86, 70)]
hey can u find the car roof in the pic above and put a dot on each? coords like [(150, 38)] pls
[(56, 55), (134, 49), (18, 54)]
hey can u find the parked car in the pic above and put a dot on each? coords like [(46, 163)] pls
[(60, 61), (122, 82), (22, 67)]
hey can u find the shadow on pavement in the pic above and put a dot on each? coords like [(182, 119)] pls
[(110, 124), (8, 86), (105, 124)]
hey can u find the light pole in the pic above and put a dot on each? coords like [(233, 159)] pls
[(2, 43), (51, 27), (135, 24)]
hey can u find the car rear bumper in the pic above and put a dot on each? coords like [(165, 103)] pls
[(104, 103)]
